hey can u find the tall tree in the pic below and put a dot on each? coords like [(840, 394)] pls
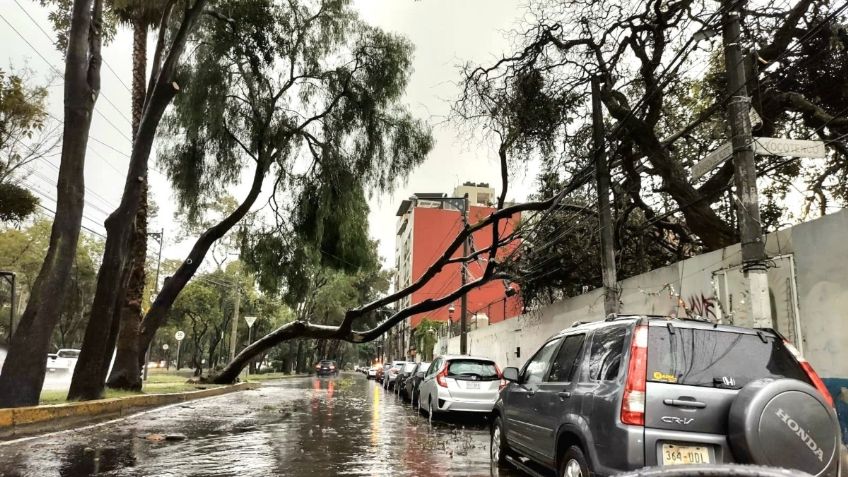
[(112, 280), (24, 368), (140, 15), (305, 90), (659, 84)]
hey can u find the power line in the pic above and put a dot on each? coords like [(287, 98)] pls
[(119, 130), (47, 35)]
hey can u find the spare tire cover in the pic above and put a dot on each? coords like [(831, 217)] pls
[(784, 423)]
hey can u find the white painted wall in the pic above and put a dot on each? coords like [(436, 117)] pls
[(815, 252)]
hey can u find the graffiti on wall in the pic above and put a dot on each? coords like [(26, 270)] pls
[(701, 305)]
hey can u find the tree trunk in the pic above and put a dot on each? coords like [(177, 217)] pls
[(24, 368), (299, 365), (158, 312), (90, 373), (126, 374)]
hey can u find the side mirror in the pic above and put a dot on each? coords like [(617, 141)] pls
[(511, 374)]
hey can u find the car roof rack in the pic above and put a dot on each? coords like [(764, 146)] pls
[(630, 316), (579, 323)]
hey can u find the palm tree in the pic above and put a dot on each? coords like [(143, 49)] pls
[(141, 16)]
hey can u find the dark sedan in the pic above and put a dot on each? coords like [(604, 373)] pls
[(326, 367), (410, 385)]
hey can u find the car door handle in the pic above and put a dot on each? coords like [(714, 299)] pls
[(684, 403), (564, 395)]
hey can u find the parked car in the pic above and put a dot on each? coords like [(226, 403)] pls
[(414, 380), (459, 383), (371, 373), (403, 375), (630, 392), (392, 374), (326, 367), (63, 361)]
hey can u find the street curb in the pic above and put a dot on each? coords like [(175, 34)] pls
[(22, 421)]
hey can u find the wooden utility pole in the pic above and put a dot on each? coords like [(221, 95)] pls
[(604, 214), (745, 174), (463, 303)]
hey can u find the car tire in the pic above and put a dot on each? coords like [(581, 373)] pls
[(767, 418), (430, 412), (573, 463), (497, 436)]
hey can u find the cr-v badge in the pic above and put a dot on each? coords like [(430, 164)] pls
[(677, 420)]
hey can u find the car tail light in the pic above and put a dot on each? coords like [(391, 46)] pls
[(332, 367), (811, 373), (441, 377), (633, 402)]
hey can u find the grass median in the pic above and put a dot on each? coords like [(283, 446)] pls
[(161, 382), (157, 383)]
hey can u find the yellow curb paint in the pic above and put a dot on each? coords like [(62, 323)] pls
[(25, 420), (6, 419)]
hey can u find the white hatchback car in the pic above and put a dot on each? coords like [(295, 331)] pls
[(460, 383)]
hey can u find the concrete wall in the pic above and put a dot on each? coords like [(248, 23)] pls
[(808, 284)]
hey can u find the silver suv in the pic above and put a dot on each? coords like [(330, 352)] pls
[(634, 391)]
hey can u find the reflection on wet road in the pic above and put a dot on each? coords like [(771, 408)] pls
[(300, 426)]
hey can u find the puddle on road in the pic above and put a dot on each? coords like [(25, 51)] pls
[(304, 426)]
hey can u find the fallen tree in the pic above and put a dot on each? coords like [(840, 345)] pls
[(345, 331)]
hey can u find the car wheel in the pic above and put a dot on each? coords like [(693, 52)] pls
[(573, 463), (497, 445)]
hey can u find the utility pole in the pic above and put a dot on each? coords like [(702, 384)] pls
[(744, 172), (234, 328), (602, 174), (463, 303)]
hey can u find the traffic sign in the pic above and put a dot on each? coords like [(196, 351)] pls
[(771, 146), (250, 320), (179, 335), (165, 346)]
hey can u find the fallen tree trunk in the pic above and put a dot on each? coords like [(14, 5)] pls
[(300, 329)]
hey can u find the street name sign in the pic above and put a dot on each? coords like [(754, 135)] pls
[(771, 146)]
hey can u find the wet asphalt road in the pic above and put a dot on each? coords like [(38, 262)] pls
[(301, 426)]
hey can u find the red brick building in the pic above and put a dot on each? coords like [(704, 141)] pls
[(427, 224)]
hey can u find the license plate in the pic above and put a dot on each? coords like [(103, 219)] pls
[(673, 454), (472, 385)]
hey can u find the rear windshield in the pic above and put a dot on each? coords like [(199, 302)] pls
[(485, 370), (69, 354), (714, 358)]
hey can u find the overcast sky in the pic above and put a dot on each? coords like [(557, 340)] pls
[(446, 34)]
